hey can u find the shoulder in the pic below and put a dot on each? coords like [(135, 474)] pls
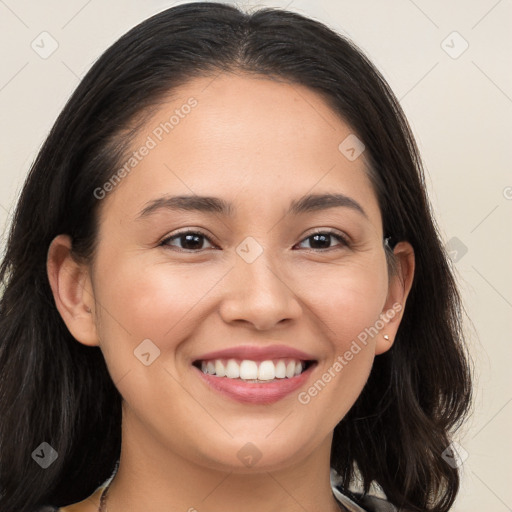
[(354, 502), (86, 505), (77, 507), (375, 504)]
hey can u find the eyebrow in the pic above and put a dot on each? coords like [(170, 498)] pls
[(216, 205)]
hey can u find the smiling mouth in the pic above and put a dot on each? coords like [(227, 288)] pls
[(248, 370)]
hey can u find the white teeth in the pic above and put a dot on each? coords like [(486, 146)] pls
[(253, 370), (280, 370), (248, 370), (266, 371), (232, 369), (290, 369), (220, 370)]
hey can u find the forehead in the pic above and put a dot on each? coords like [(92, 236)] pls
[(244, 136)]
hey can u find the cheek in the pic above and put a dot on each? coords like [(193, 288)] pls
[(347, 304), (159, 302), (349, 299)]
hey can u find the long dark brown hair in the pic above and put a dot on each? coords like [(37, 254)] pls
[(56, 390)]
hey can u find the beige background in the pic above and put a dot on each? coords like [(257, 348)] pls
[(460, 111)]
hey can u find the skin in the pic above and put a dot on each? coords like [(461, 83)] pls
[(259, 144)]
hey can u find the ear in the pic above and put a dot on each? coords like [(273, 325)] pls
[(72, 290), (400, 283)]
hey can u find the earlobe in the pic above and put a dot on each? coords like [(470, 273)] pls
[(400, 283), (72, 291)]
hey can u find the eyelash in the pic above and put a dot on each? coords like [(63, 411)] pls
[(342, 239)]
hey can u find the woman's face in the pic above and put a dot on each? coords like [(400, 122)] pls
[(249, 283)]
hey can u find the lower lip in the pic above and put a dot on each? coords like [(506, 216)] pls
[(252, 392)]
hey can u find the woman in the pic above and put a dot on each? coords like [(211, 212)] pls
[(181, 334)]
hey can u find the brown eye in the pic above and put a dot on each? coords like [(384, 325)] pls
[(321, 240), (189, 240)]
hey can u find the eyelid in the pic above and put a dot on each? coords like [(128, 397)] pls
[(342, 237), (329, 231), (191, 230)]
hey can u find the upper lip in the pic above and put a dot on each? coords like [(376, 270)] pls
[(257, 353)]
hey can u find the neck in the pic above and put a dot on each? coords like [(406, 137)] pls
[(151, 478)]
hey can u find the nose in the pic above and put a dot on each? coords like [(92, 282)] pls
[(260, 294)]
